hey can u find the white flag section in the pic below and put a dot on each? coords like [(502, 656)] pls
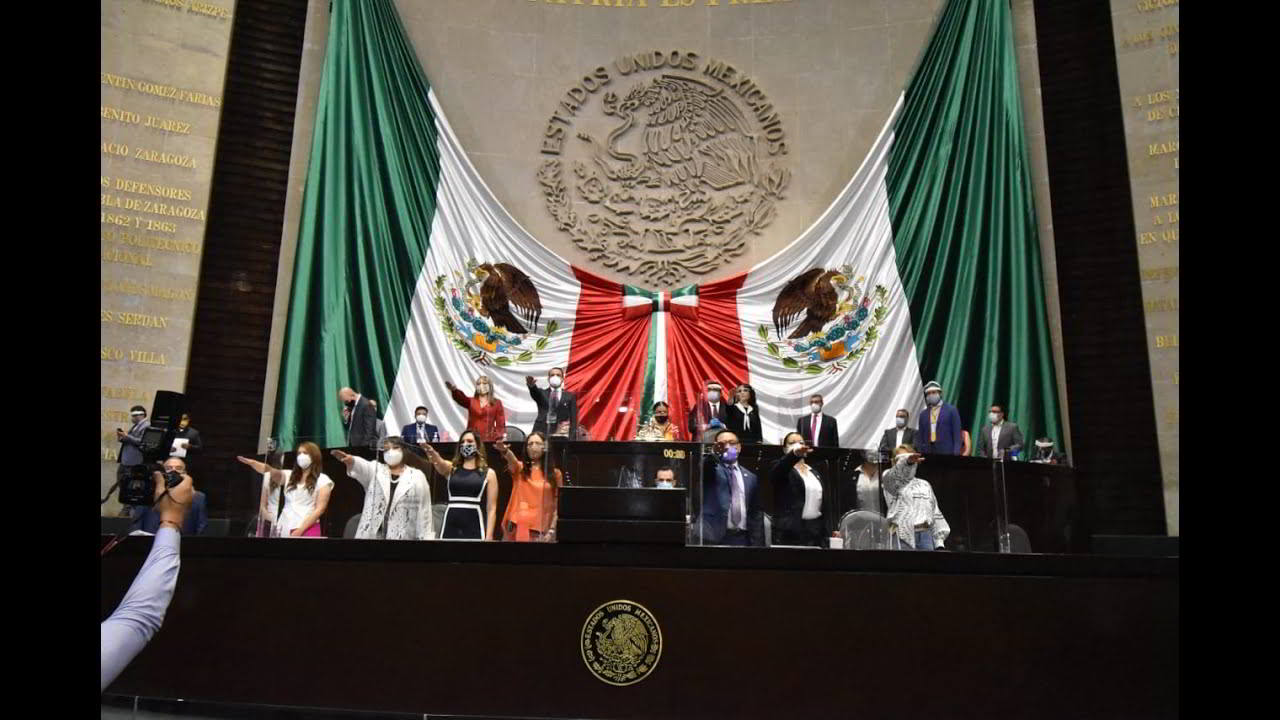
[(470, 224), (854, 238), (857, 350)]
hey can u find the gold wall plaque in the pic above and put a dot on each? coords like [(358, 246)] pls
[(621, 642)]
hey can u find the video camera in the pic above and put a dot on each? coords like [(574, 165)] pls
[(136, 485)]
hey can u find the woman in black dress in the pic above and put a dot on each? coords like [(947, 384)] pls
[(743, 417), (797, 494), (473, 490)]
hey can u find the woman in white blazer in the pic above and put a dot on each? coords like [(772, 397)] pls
[(397, 498)]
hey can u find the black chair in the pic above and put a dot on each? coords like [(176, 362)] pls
[(217, 527), (116, 525), (1018, 540), (352, 525), (514, 434)]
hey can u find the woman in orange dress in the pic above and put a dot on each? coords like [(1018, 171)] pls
[(531, 511), (485, 415)]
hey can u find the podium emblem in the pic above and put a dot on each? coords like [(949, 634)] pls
[(621, 642)]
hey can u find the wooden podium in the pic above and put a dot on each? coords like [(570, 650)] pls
[(652, 516)]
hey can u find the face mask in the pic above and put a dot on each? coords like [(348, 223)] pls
[(994, 417), (815, 408), (794, 447), (303, 461), (660, 418), (665, 484), (393, 457), (350, 403), (422, 419), (467, 450), (731, 454), (900, 422), (713, 396), (555, 381), (483, 388), (933, 398)]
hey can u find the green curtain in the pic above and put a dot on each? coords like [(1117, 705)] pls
[(368, 204), (965, 228)]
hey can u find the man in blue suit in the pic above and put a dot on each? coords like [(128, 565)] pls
[(420, 431), (197, 519), (938, 430), (731, 512)]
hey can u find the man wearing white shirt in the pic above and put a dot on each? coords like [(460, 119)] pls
[(419, 430), (900, 434), (1003, 435)]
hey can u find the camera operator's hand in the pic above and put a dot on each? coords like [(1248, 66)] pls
[(172, 507)]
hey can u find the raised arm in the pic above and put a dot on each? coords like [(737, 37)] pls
[(439, 464), (276, 474), (457, 395), (359, 469)]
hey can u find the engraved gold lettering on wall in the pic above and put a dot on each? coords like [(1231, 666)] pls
[(654, 198), (1146, 35), (169, 92), (160, 97)]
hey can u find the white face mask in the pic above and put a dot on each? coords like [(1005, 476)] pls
[(933, 398), (665, 483), (422, 419), (900, 422), (393, 457), (303, 461), (483, 388), (713, 396), (555, 381), (994, 417), (794, 447), (815, 408)]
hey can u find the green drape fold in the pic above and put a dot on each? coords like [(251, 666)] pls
[(964, 225), (368, 205)]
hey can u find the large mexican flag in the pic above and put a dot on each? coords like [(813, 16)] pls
[(926, 266)]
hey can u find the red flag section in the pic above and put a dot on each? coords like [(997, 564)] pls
[(706, 347), (607, 359)]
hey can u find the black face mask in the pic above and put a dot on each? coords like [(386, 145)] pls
[(351, 403), (660, 418)]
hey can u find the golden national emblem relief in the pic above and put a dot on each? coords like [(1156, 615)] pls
[(663, 165), (621, 642)]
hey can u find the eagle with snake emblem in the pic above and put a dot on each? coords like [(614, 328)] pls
[(818, 293), (497, 288), (624, 639)]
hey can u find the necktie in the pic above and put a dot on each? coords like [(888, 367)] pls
[(555, 398), (813, 434), (735, 497)]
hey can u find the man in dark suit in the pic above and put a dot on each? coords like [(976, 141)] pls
[(556, 406), (197, 519), (359, 418), (709, 410), (1006, 434), (819, 425), (938, 430), (900, 434), (192, 436), (420, 431), (731, 513)]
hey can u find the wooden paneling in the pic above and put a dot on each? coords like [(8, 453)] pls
[(232, 326), (1113, 424)]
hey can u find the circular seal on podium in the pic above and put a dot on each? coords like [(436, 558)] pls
[(621, 642)]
